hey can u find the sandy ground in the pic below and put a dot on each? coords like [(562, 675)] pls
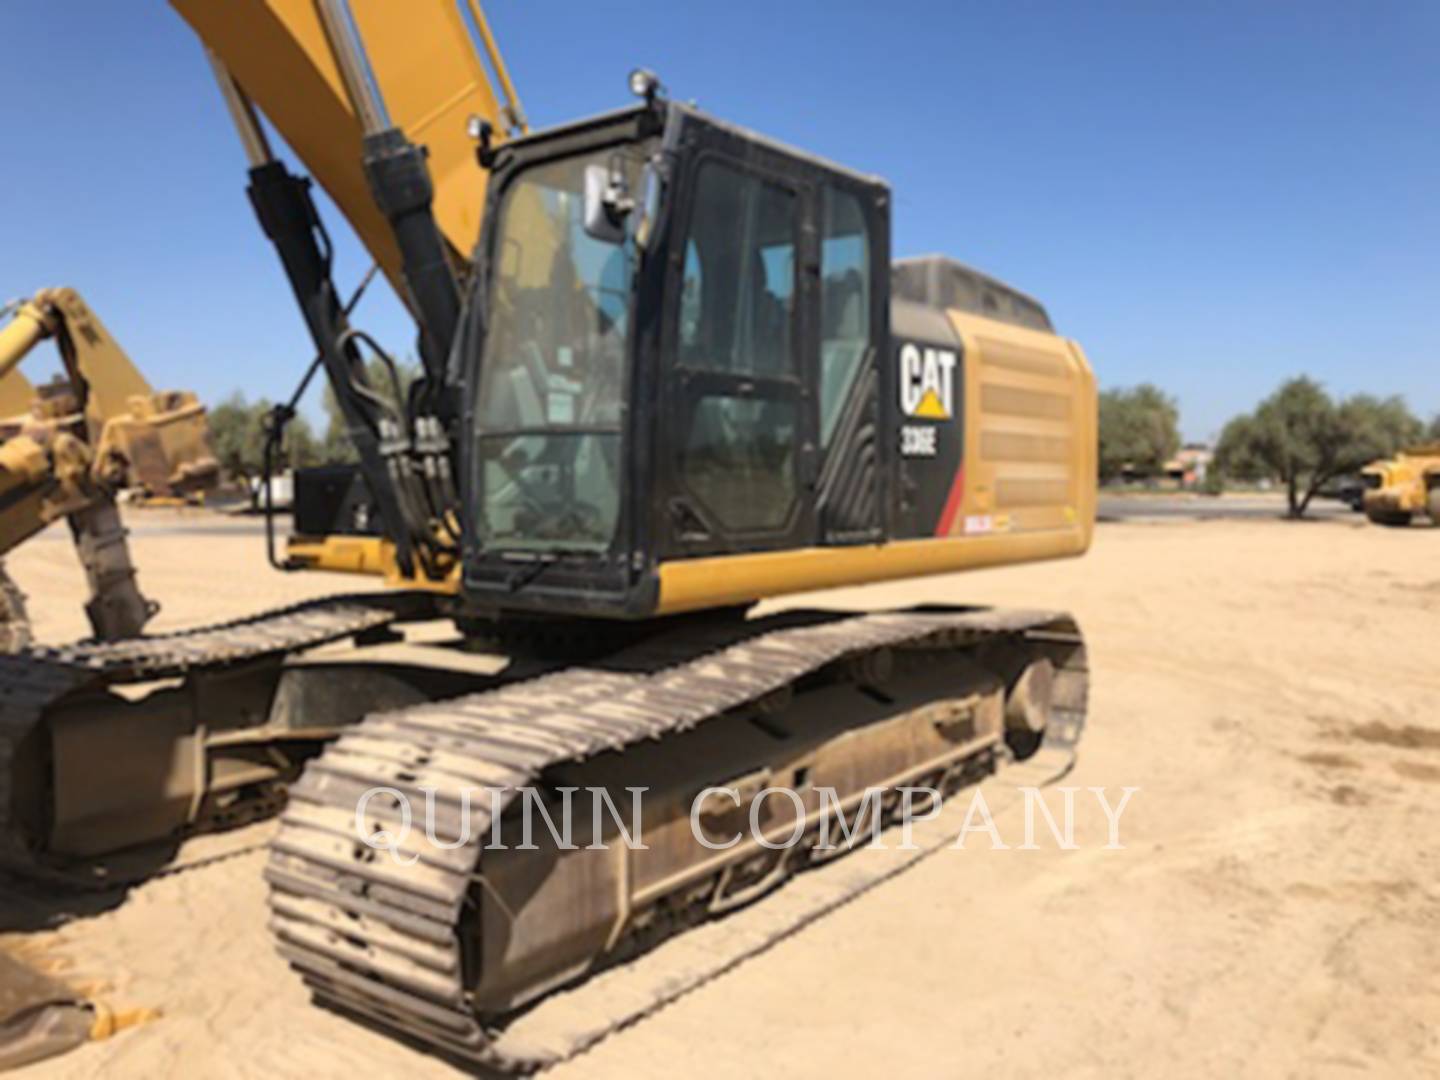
[(1269, 687)]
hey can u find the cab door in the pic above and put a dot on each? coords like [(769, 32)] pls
[(852, 379), (739, 428)]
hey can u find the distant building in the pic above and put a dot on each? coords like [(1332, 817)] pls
[(1189, 467)]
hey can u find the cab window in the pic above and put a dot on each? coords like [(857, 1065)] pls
[(738, 291), (736, 318)]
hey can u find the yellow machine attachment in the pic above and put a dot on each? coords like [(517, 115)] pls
[(1399, 488), (85, 437)]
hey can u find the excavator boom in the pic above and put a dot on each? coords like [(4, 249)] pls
[(423, 59)]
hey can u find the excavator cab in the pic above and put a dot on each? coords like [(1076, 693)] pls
[(674, 320), (695, 380), (677, 372)]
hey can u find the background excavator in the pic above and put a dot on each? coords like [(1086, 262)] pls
[(70, 446), (668, 371), (1399, 488)]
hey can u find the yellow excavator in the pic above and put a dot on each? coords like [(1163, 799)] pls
[(68, 447), (1399, 488), (669, 370)]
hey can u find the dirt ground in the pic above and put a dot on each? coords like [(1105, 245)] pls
[(1270, 687)]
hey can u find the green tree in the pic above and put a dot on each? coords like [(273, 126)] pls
[(1302, 438), (238, 432), (237, 435), (336, 446), (1236, 454), (301, 449), (1139, 429), (1432, 433)]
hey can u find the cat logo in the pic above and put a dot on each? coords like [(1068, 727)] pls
[(927, 382)]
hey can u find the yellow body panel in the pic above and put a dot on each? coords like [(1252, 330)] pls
[(372, 556), (1030, 430), (427, 70), (693, 584)]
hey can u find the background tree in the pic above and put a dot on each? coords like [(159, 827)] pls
[(237, 431), (1139, 429), (237, 435), (1237, 455), (335, 446), (301, 449), (1302, 438), (1432, 433)]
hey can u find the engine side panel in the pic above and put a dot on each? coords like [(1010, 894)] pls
[(1031, 441)]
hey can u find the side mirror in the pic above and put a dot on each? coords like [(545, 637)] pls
[(607, 204)]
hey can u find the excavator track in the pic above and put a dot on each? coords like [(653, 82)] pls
[(35, 680), (409, 947)]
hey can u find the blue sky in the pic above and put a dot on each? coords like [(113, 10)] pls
[(1210, 197)]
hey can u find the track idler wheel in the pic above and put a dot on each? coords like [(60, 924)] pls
[(1028, 707)]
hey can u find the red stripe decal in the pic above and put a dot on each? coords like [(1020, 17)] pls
[(952, 503)]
